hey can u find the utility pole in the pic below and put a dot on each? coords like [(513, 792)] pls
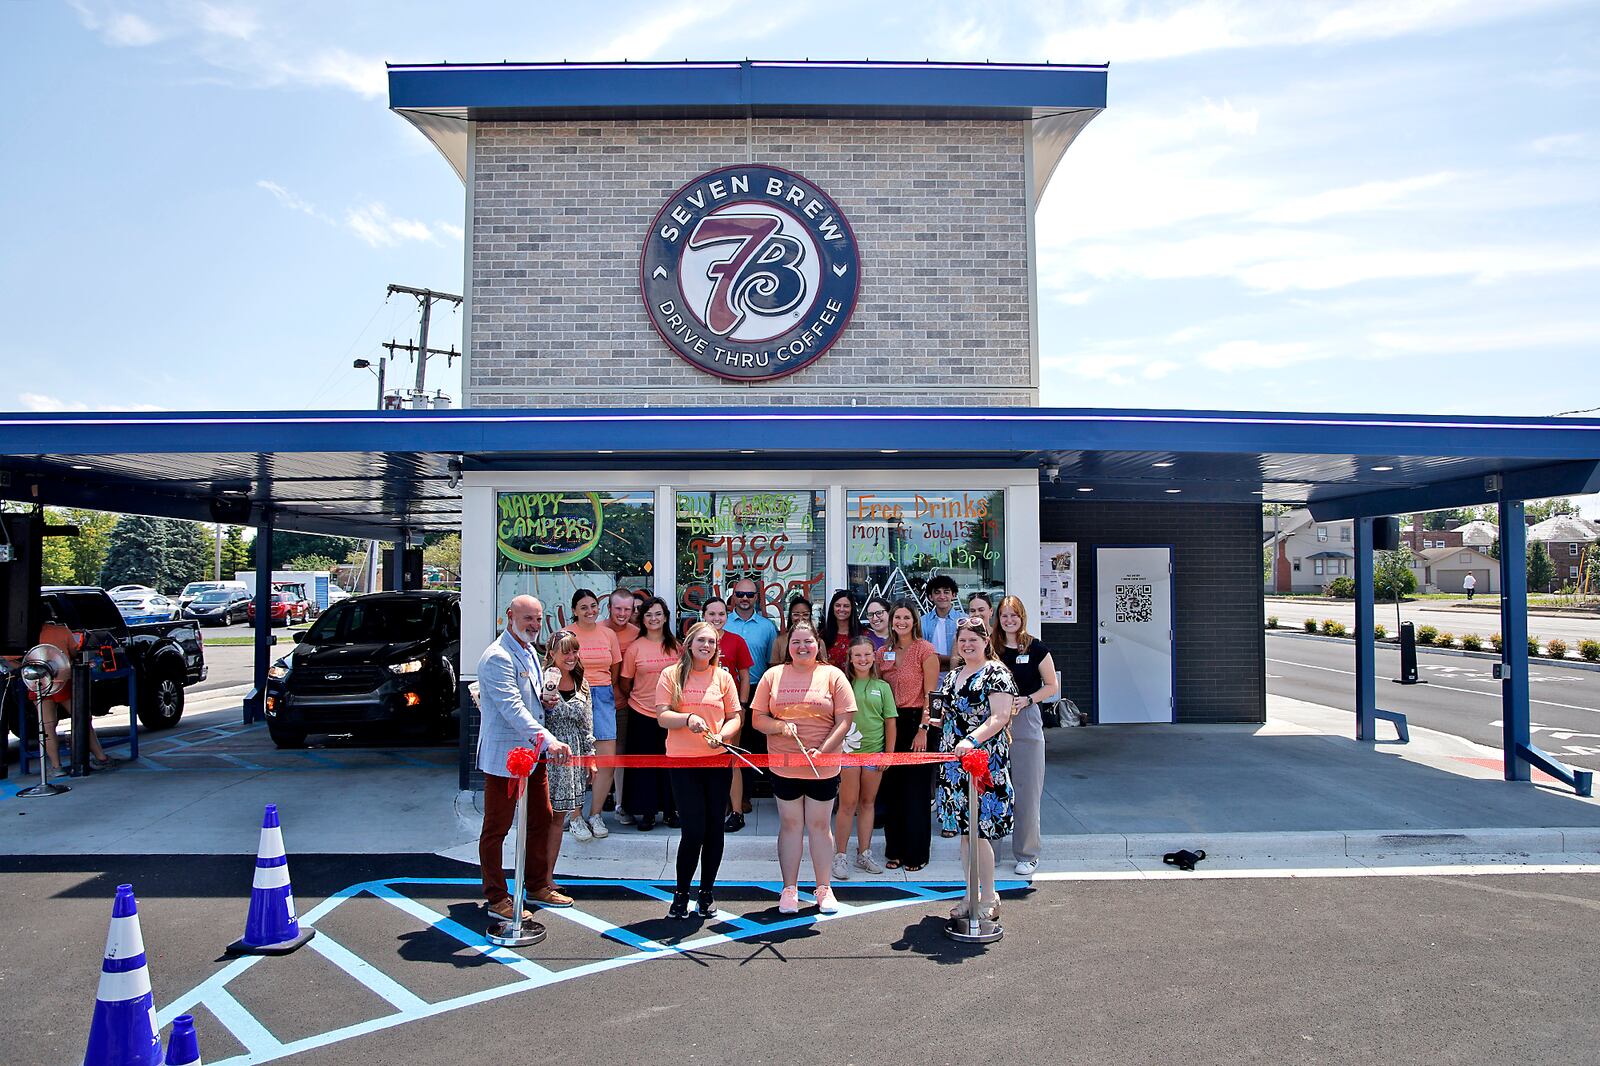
[(383, 364), (425, 297), (412, 349)]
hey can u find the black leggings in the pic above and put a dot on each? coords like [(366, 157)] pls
[(702, 796), (907, 796)]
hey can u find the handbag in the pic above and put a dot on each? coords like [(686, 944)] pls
[(1061, 713)]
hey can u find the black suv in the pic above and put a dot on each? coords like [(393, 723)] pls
[(388, 659)]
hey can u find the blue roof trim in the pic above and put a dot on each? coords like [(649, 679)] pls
[(592, 88), (861, 429)]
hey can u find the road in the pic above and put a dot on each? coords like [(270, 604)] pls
[(1461, 697), (1447, 968), (1291, 613)]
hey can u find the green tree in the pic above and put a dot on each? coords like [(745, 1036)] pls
[(445, 553), (1541, 571), (164, 553), (1539, 510), (235, 553), (288, 545), (316, 564), (76, 560), (1392, 575)]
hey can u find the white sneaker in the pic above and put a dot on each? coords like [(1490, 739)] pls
[(625, 818), (866, 861), (597, 826), (1027, 867), (580, 830), (841, 867)]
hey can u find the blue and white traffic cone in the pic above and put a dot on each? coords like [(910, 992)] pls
[(183, 1047), (272, 927), (123, 1032)]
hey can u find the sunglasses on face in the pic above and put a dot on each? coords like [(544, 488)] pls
[(743, 595)]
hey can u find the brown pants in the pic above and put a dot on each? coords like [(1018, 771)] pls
[(499, 812)]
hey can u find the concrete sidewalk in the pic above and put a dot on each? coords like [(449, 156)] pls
[(1297, 792)]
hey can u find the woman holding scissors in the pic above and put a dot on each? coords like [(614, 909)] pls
[(805, 708), (697, 703)]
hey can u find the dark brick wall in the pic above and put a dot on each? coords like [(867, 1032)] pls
[(1219, 635)]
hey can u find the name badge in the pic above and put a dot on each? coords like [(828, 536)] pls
[(888, 656), (1022, 660)]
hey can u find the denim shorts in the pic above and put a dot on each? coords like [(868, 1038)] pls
[(604, 704)]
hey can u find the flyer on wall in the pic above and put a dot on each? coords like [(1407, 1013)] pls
[(1058, 582)]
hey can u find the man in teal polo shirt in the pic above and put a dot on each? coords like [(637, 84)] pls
[(759, 633)]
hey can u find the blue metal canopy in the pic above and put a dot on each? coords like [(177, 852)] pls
[(373, 473)]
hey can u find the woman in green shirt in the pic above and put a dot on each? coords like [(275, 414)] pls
[(872, 734)]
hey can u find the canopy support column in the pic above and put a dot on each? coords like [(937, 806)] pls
[(255, 708)]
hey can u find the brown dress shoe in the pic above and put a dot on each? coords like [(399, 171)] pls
[(551, 897), (502, 910)]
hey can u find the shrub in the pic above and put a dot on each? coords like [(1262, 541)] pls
[(1471, 641), (1272, 621), (1556, 648), (1311, 625), (1333, 628), (1589, 649), (1427, 634), (1379, 631), (1445, 640), (1342, 588), (1533, 645), (1498, 642)]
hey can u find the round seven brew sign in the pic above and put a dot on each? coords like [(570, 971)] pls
[(750, 272)]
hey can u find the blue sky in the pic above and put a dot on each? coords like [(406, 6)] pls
[(1351, 205)]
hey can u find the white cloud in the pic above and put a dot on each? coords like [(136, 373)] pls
[(644, 38), (1257, 355), (287, 198), (1561, 144), (373, 224), (1113, 369), (451, 230), (123, 29), (38, 401), (976, 37), (1456, 341), (330, 68), (236, 22), (1128, 33), (1353, 199)]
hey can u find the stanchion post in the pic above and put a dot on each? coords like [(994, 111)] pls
[(973, 929), (44, 787), (518, 933)]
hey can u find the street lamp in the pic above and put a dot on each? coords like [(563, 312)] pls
[(383, 365)]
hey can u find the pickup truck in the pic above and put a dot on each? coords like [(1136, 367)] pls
[(166, 656)]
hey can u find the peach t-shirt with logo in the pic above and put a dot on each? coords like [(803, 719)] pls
[(813, 700), (712, 694), (625, 636), (643, 661), (599, 651)]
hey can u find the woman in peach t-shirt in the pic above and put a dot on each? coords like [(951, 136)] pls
[(698, 703), (601, 656), (804, 706), (652, 652)]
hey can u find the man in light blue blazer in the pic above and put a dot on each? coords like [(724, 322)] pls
[(511, 707)]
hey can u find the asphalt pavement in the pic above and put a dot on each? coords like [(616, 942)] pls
[(1461, 696), (1441, 614), (1463, 969)]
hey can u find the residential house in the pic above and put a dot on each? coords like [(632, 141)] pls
[(1479, 534), (1420, 540), (1569, 540), (1445, 569), (1309, 554)]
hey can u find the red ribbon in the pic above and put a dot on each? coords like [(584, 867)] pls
[(519, 764), (788, 760), (975, 764)]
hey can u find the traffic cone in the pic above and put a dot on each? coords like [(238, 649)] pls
[(183, 1047), (271, 927), (123, 1032)]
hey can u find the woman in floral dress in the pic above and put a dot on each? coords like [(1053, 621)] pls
[(979, 693)]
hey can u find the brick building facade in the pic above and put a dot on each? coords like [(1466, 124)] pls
[(941, 210)]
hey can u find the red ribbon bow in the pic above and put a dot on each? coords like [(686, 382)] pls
[(975, 763), (519, 764)]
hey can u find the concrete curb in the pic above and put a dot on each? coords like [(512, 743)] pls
[(1566, 664)]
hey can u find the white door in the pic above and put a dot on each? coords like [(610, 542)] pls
[(1133, 653)]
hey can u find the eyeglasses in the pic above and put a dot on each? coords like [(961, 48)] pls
[(877, 612), (743, 595)]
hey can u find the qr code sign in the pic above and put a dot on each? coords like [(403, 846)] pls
[(1135, 603)]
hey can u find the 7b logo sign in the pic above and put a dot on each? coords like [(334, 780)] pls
[(750, 272)]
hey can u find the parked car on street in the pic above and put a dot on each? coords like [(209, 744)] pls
[(195, 588), (146, 606), (166, 656), (222, 606), (287, 609), (119, 589), (389, 659)]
